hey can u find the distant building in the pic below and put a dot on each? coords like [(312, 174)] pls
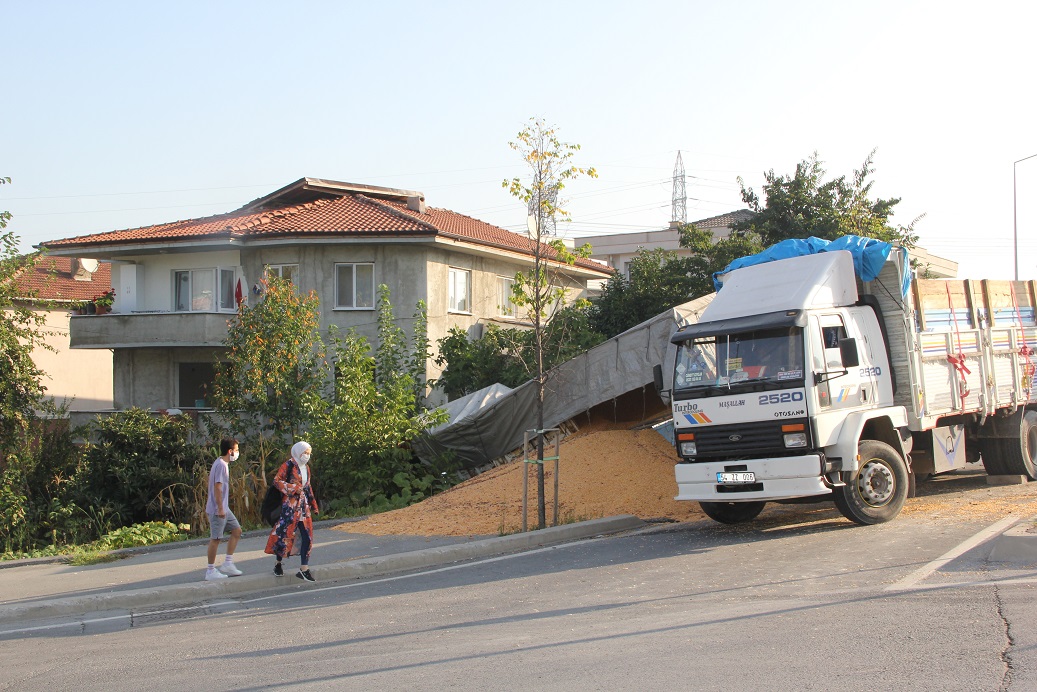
[(619, 249), (82, 377)]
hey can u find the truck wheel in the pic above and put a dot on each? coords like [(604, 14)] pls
[(1020, 449), (732, 512), (992, 453), (878, 490)]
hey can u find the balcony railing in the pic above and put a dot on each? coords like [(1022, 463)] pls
[(148, 329)]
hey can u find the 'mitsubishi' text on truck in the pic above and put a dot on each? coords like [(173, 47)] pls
[(829, 372)]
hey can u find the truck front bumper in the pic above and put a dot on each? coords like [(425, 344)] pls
[(779, 478)]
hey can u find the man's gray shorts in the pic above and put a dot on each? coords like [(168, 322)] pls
[(217, 525)]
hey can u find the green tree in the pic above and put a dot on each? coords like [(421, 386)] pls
[(275, 369), (538, 291), (469, 365), (363, 435), (22, 330), (658, 281), (805, 204), (800, 205), (709, 256), (507, 355)]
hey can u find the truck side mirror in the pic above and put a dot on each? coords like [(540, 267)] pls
[(657, 373), (848, 353)]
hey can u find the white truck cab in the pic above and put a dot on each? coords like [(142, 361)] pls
[(804, 380), (774, 386)]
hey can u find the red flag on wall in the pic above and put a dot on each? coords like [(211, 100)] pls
[(238, 295)]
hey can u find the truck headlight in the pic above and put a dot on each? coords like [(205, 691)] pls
[(796, 439), (689, 449)]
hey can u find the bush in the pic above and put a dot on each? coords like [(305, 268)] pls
[(362, 438), (37, 490), (142, 468), (508, 355)]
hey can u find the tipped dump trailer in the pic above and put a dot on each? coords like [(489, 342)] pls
[(825, 371)]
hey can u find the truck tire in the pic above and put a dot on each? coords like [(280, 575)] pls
[(732, 512), (991, 451), (877, 492), (1017, 453)]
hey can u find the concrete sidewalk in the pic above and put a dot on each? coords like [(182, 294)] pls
[(173, 574)]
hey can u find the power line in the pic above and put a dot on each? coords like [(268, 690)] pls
[(113, 211), (147, 192)]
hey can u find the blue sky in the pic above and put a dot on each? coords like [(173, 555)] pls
[(118, 115)]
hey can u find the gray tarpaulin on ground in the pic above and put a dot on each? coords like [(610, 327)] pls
[(491, 422)]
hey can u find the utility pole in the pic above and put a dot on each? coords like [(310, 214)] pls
[(1015, 218)]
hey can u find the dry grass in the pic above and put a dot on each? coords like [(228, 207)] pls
[(247, 487)]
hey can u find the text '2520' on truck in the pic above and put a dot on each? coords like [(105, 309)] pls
[(833, 374)]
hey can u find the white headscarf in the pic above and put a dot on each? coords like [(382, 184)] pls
[(298, 449)]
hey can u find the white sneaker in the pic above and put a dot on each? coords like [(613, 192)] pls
[(230, 570), (214, 575)]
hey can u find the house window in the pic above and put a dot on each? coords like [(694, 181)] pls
[(354, 286), (197, 290), (193, 380), (505, 297), (227, 301), (288, 272), (460, 290)]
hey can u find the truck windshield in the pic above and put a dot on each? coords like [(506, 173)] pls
[(732, 360)]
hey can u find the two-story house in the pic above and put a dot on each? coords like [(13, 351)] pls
[(177, 284)]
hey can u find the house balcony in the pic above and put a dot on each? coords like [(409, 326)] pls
[(148, 330)]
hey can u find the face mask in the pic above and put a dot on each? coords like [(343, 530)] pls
[(304, 459), (233, 456)]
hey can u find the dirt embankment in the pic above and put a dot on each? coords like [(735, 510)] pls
[(608, 469)]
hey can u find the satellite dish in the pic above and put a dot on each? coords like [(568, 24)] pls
[(83, 268)]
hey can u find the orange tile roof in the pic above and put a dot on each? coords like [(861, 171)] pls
[(51, 279), (346, 214)]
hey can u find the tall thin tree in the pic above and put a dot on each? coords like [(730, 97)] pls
[(541, 290)]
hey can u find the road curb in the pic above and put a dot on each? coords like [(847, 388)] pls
[(202, 591)]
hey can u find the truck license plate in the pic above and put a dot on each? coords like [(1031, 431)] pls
[(744, 477)]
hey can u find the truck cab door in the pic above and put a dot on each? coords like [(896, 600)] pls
[(840, 386)]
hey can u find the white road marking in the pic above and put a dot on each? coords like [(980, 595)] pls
[(986, 534)]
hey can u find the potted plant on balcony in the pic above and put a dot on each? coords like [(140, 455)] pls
[(104, 301), (78, 307)]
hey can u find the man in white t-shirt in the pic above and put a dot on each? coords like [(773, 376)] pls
[(221, 519)]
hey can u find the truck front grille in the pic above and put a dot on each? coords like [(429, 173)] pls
[(744, 440)]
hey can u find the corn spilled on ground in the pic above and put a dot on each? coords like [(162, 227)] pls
[(607, 469)]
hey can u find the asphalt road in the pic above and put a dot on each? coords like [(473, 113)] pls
[(802, 600)]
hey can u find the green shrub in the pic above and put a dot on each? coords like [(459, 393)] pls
[(361, 440), (37, 490), (141, 468)]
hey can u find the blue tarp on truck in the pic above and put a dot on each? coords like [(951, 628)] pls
[(869, 255)]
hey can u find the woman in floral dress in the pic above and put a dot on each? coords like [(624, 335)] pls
[(297, 505)]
